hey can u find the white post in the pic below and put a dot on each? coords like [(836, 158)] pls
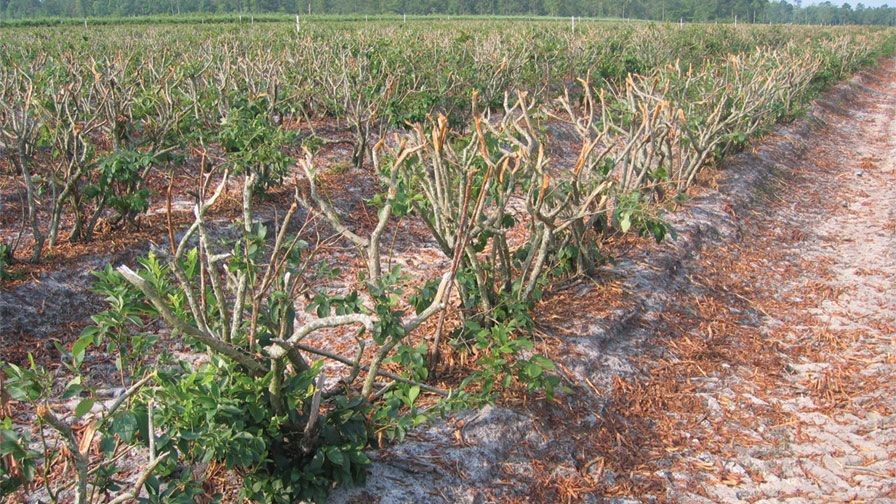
[(681, 22), (735, 20), (573, 23), (405, 18), (298, 24), (85, 23)]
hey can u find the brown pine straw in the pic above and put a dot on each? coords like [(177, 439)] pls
[(656, 422)]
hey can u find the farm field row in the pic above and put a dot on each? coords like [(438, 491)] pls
[(350, 223)]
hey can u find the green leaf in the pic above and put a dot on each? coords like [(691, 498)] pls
[(80, 346), (83, 407), (533, 371), (625, 223), (335, 456), (107, 445), (543, 362), (73, 390), (124, 425), (413, 393)]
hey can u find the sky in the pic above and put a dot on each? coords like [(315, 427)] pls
[(868, 3)]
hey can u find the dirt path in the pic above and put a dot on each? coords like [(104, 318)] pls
[(821, 267), (754, 359)]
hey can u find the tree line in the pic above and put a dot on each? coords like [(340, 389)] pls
[(749, 11)]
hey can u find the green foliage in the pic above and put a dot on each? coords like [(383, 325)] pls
[(120, 185), (18, 462), (633, 214), (5, 261), (412, 109), (239, 91), (217, 412), (254, 144), (617, 63), (119, 327), (406, 194), (27, 384), (500, 348), (397, 413)]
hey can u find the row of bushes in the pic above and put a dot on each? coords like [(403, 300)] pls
[(506, 212)]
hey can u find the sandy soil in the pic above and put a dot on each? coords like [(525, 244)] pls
[(824, 265), (751, 360)]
